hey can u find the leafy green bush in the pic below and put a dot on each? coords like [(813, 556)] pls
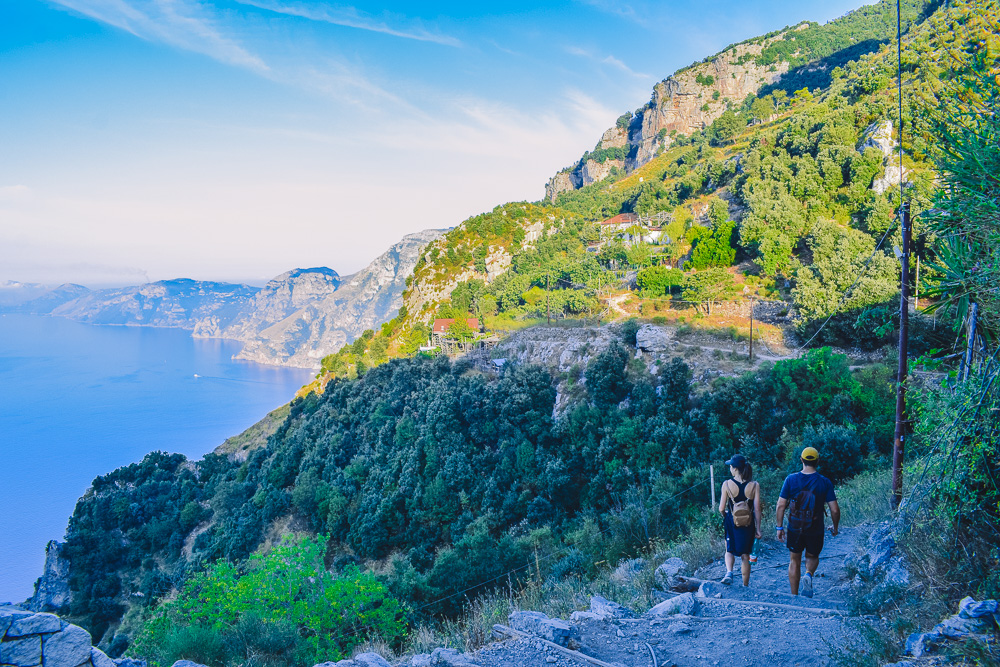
[(658, 281), (283, 607)]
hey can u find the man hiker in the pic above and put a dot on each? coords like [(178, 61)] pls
[(805, 495)]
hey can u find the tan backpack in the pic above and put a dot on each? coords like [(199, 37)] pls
[(742, 511)]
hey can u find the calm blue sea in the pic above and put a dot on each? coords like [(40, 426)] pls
[(77, 401)]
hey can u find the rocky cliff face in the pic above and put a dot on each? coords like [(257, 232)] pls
[(686, 102), (52, 588), (278, 299), (332, 317)]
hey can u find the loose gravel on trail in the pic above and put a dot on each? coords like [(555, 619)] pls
[(732, 629)]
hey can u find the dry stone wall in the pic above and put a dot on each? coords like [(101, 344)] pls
[(33, 639)]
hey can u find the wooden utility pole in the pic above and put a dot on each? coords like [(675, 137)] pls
[(711, 483), (751, 329), (899, 442), (548, 310)]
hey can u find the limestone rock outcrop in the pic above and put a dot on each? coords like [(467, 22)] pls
[(879, 135), (52, 588), (323, 323), (686, 102)]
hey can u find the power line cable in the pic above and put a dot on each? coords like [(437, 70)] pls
[(861, 274)]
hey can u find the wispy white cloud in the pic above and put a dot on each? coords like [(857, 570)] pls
[(487, 129), (614, 62), (183, 24), (189, 25), (350, 17), (620, 9), (607, 60)]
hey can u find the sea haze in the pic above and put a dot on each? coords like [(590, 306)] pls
[(77, 401)]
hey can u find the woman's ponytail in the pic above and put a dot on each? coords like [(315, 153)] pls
[(746, 472)]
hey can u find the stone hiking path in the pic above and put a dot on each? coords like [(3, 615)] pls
[(719, 625)]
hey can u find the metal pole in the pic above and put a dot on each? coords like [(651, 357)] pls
[(751, 329), (548, 311), (901, 373), (711, 482), (970, 346)]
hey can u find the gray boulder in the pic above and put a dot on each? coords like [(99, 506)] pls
[(68, 648), (187, 663), (604, 608), (370, 660), (651, 338), (99, 658), (666, 575), (130, 662), (920, 644), (35, 624), (969, 608), (449, 657), (577, 616), (890, 582), (957, 627), (540, 625), (685, 603), (22, 652), (679, 628), (360, 660)]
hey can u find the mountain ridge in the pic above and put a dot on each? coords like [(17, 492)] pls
[(294, 320)]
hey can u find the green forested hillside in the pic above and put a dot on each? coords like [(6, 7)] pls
[(440, 478)]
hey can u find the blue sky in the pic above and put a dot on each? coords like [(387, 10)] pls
[(233, 140)]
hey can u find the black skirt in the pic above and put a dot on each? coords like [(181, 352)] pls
[(739, 541)]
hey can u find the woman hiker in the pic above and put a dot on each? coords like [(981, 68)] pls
[(740, 509)]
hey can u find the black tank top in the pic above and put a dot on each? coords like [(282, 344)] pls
[(742, 495)]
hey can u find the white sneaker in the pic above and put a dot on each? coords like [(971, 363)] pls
[(807, 586), (728, 579)]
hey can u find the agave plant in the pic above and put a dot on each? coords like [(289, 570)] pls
[(966, 217)]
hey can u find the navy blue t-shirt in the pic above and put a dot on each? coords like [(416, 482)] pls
[(822, 489)]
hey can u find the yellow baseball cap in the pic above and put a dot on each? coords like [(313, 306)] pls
[(810, 455)]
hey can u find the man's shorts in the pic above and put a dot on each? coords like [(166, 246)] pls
[(812, 544)]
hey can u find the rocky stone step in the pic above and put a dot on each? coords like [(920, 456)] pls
[(713, 590)]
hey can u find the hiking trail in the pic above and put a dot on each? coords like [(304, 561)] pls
[(762, 624)]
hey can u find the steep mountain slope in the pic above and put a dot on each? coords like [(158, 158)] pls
[(692, 98), (279, 298), (328, 319)]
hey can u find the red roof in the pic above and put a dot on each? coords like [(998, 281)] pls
[(441, 325), (622, 219)]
